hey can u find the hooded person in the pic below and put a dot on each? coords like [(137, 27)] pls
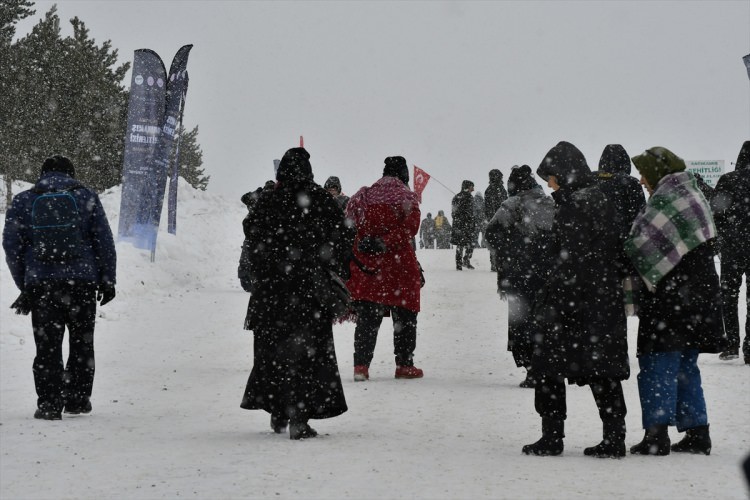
[(494, 196), (333, 186), (296, 234), (61, 254), (671, 246), (427, 232), (521, 231), (464, 225), (579, 318), (385, 276), (619, 186), (731, 210)]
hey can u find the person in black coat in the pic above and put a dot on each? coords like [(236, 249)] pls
[(464, 225), (494, 196), (581, 332), (731, 209), (520, 231), (622, 189), (296, 234), (249, 199)]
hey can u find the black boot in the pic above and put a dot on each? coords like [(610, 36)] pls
[(696, 440), (301, 431), (278, 424), (613, 444), (551, 444), (655, 442), (529, 382)]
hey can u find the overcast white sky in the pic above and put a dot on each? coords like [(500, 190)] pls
[(457, 88)]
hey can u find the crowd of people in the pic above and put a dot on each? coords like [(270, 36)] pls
[(570, 265)]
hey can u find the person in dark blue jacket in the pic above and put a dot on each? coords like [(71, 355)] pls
[(60, 286)]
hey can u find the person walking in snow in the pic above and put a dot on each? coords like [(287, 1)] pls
[(442, 231), (494, 196), (427, 232), (385, 275), (61, 254), (296, 234), (249, 199), (464, 224), (671, 246), (580, 326), (731, 210), (521, 231), (333, 186), (481, 223)]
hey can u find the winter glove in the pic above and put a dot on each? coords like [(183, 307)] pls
[(105, 293), (371, 245), (22, 305), (503, 295)]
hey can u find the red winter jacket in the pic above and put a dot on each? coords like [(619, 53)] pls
[(390, 211)]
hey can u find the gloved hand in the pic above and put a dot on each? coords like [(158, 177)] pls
[(371, 245), (105, 293), (503, 296), (22, 305)]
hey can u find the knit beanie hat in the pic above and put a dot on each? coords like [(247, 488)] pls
[(333, 182), (520, 179), (657, 162), (59, 163), (395, 166)]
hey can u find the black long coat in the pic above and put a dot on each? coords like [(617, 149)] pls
[(464, 221), (295, 232), (684, 312), (520, 232), (580, 314), (731, 205)]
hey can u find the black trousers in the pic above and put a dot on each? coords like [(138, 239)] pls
[(56, 305), (549, 398), (369, 317), (463, 254), (733, 265)]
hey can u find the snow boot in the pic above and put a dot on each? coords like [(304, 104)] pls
[(408, 372), (76, 407), (40, 414), (729, 355), (551, 443), (278, 424), (655, 442), (613, 444), (467, 264), (301, 430), (361, 373), (696, 440)]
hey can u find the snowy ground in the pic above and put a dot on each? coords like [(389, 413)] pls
[(172, 362)]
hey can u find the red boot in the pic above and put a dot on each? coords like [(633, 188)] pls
[(409, 372), (361, 373)]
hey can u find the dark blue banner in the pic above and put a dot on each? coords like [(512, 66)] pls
[(747, 64), (176, 91), (139, 174)]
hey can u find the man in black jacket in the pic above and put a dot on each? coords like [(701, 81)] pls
[(494, 196), (464, 224), (731, 209)]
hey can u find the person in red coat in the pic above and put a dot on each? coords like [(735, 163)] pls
[(385, 277)]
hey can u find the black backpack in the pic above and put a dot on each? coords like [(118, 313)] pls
[(56, 233)]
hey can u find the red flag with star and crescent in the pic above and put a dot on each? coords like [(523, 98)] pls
[(420, 181)]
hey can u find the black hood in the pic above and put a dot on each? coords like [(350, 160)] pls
[(520, 179), (567, 164), (295, 166), (496, 176), (743, 159), (615, 160)]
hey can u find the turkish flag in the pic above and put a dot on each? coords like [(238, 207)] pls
[(420, 181)]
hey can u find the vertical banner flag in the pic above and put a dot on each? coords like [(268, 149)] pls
[(747, 64), (301, 142), (420, 181), (145, 119), (177, 85)]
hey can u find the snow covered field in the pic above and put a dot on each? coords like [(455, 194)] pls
[(172, 362)]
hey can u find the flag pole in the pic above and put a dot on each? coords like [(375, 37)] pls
[(438, 181)]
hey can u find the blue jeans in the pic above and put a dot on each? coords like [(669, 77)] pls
[(669, 386)]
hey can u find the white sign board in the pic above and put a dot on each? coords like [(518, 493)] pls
[(710, 170)]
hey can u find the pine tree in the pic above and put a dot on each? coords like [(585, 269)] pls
[(67, 99), (191, 159), (11, 11)]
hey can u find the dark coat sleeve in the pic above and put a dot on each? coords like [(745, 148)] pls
[(16, 239)]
